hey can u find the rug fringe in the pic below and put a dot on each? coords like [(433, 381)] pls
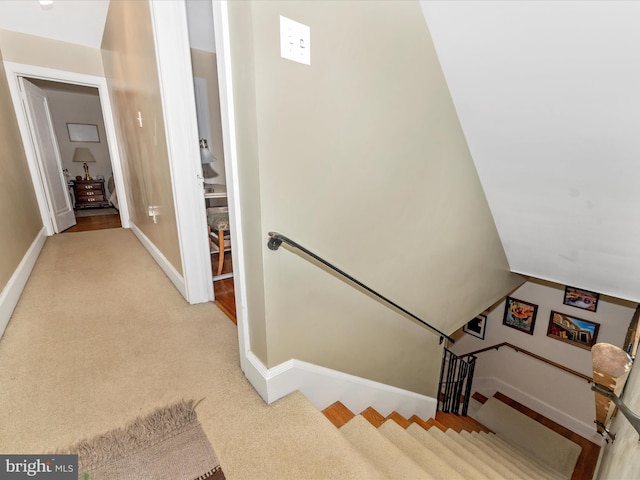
[(149, 430)]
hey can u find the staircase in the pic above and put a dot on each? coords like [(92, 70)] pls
[(448, 447)]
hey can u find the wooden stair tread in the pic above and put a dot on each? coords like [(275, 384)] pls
[(338, 414), (373, 417), (460, 423), (399, 419)]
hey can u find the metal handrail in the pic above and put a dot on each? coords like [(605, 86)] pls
[(538, 357), (276, 239)]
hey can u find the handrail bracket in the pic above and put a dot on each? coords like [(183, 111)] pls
[(633, 419)]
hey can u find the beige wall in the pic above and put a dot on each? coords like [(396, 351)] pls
[(128, 54), (20, 219), (361, 158), (32, 50), (205, 66)]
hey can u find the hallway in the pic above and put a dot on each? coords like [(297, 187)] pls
[(100, 336)]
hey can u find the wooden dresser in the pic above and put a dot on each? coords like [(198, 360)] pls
[(89, 193)]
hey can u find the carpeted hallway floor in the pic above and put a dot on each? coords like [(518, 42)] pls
[(101, 336)]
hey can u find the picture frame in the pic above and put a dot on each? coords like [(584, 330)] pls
[(477, 326), (83, 132), (573, 330), (576, 297), (520, 315)]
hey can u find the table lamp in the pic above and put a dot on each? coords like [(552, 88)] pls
[(207, 159), (83, 155)]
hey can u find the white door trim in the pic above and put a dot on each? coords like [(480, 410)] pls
[(227, 111), (170, 31), (15, 70)]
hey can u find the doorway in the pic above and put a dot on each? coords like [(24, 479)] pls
[(81, 157), (200, 22), (22, 73)]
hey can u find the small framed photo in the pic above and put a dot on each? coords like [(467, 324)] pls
[(584, 299), (520, 315), (477, 326), (576, 331)]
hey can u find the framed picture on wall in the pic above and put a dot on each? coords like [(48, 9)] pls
[(83, 132), (477, 326), (584, 299), (576, 331), (520, 315)]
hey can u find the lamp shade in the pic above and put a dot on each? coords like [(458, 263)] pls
[(205, 154), (83, 155)]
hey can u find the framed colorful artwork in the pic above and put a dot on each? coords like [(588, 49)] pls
[(584, 299), (576, 331), (520, 315)]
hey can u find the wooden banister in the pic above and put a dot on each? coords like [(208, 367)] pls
[(538, 357)]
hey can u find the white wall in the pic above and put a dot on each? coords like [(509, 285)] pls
[(558, 395)]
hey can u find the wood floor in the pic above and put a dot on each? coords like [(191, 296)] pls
[(224, 289), (98, 222)]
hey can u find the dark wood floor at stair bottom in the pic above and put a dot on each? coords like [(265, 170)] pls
[(588, 459)]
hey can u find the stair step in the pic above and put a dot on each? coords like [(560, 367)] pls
[(382, 453), (420, 454), (501, 463), (463, 465), (460, 423), (399, 419), (451, 439), (338, 414), (519, 456), (373, 417)]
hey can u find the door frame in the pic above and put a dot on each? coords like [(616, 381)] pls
[(16, 70)]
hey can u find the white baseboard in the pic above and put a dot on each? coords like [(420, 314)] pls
[(323, 386), (488, 386), (11, 292), (169, 270)]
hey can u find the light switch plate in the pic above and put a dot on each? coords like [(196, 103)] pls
[(295, 41)]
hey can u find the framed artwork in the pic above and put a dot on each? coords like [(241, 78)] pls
[(83, 132), (584, 299), (477, 326), (576, 331), (520, 315)]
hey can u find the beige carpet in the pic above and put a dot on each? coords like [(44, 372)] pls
[(517, 429), (101, 336)]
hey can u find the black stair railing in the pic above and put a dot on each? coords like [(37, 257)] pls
[(456, 379), (277, 239)]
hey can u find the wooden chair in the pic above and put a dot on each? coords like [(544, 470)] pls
[(218, 220)]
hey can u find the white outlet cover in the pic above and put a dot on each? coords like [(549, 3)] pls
[(295, 41)]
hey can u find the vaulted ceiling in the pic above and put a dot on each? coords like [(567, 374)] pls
[(548, 96)]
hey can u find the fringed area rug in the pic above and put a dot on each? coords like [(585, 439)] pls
[(168, 444)]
